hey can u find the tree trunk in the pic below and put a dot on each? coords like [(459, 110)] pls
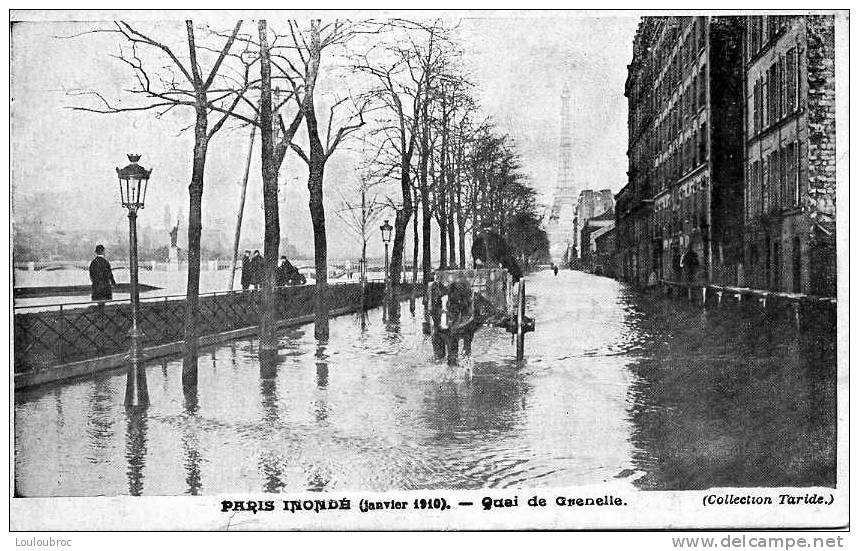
[(195, 207), (320, 242), (316, 176), (416, 243), (441, 215), (271, 245), (401, 221), (451, 237), (451, 229), (460, 224)]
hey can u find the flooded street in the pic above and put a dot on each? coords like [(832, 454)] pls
[(616, 386)]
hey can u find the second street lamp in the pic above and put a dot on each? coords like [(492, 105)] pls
[(133, 181)]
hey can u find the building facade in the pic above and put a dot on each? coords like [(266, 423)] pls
[(590, 203), (603, 251), (685, 177), (789, 217), (593, 225)]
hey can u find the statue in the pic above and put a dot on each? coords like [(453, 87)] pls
[(174, 235), (173, 254)]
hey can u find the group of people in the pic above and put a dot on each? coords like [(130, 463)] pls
[(253, 271)]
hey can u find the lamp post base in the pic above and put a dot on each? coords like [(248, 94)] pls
[(136, 388)]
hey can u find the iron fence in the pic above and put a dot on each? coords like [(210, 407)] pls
[(55, 334)]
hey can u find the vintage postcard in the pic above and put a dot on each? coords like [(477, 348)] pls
[(425, 270)]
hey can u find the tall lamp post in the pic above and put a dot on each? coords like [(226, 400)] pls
[(386, 238), (133, 180)]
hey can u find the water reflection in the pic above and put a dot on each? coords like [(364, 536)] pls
[(135, 448), (732, 404), (100, 419), (270, 459), (614, 382), (192, 458), (321, 365)]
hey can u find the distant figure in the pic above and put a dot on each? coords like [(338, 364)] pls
[(689, 263), (676, 263), (257, 265), (652, 279), (555, 269), (101, 276), (246, 270)]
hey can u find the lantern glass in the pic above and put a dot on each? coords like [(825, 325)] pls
[(123, 191), (144, 183), (386, 232), (133, 182)]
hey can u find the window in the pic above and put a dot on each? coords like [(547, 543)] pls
[(702, 86), (755, 195), (764, 191), (793, 173), (775, 180), (756, 108), (792, 80), (784, 162), (782, 92), (756, 28), (694, 93), (702, 144), (696, 145)]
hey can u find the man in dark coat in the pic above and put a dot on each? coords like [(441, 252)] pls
[(281, 273), (101, 276), (246, 270), (257, 266)]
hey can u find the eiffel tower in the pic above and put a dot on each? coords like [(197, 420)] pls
[(560, 226)]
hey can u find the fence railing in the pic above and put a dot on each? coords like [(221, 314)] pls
[(55, 334)]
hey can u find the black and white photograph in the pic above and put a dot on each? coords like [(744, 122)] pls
[(428, 270)]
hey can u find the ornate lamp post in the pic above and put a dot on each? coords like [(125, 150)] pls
[(386, 238), (133, 180)]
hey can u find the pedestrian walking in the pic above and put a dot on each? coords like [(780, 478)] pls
[(101, 276), (676, 263), (555, 269), (246, 270), (257, 265), (689, 262)]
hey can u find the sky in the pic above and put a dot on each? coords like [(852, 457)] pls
[(518, 61)]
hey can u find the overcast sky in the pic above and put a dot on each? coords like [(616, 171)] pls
[(518, 63)]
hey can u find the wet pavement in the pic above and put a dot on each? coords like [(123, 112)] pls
[(616, 386)]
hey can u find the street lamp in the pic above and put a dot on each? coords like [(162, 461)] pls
[(133, 181), (386, 238)]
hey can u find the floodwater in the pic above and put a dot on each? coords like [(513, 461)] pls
[(617, 387)]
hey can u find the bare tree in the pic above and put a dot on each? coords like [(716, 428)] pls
[(360, 215), (403, 70), (157, 87), (310, 46)]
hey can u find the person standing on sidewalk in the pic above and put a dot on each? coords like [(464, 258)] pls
[(101, 276), (690, 265), (257, 270), (247, 271)]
